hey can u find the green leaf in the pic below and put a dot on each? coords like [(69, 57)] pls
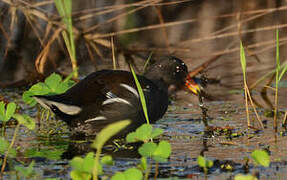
[(40, 89), (77, 175), (89, 162), (3, 145), (147, 149), (143, 164), (244, 177), (77, 163), (25, 120), (118, 176), (142, 97), (107, 160), (261, 157), (26, 171), (242, 59), (129, 174), (156, 132), (53, 81), (52, 154), (2, 111), (144, 133), (201, 161), (162, 151), (10, 110), (108, 132)]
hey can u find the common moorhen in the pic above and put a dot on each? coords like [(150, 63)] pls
[(107, 96)]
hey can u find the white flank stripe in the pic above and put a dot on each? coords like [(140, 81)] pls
[(116, 100), (96, 119), (131, 89), (66, 108)]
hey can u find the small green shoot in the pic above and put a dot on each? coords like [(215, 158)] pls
[(147, 62), (276, 81), (142, 98), (144, 133), (103, 137), (261, 157), (204, 163), (64, 8), (244, 177), (107, 160), (52, 85), (246, 89), (26, 172), (129, 174), (6, 113)]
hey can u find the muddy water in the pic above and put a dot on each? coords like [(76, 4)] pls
[(228, 145)]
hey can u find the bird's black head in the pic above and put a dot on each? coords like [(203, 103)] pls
[(170, 70)]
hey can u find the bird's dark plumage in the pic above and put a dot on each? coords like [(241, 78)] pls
[(107, 96)]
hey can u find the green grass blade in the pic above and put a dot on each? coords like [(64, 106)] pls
[(147, 62), (142, 98), (243, 60), (64, 8)]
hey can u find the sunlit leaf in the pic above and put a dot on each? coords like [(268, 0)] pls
[(261, 157), (163, 150), (76, 175), (77, 163), (53, 81), (89, 162), (129, 174), (3, 145), (244, 177), (107, 160), (147, 149), (156, 132), (25, 120), (26, 171), (144, 133), (2, 111), (10, 110)]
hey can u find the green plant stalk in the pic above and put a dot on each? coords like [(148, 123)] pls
[(9, 148), (3, 128), (148, 169), (142, 98), (97, 160), (276, 81), (64, 8), (243, 65), (156, 171)]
